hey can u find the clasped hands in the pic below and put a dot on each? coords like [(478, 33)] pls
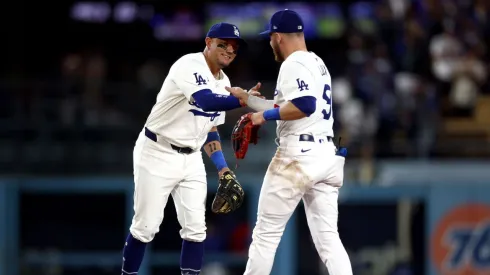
[(243, 95)]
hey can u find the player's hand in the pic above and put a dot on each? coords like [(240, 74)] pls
[(222, 171), (258, 118), (255, 90), (239, 93)]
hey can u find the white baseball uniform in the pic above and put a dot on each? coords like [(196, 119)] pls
[(305, 167), (159, 168)]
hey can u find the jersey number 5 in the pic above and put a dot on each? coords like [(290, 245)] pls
[(327, 96)]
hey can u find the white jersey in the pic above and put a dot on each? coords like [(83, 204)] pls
[(305, 74), (175, 116)]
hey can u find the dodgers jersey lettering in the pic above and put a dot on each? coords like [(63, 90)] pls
[(175, 116), (305, 74)]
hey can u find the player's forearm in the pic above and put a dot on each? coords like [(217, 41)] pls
[(298, 108), (290, 112), (212, 147), (259, 104), (210, 102)]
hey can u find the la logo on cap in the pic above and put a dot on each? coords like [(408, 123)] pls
[(235, 31)]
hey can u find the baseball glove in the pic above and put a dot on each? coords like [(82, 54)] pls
[(229, 196), (243, 134)]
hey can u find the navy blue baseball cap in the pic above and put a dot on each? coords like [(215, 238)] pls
[(226, 31), (284, 21)]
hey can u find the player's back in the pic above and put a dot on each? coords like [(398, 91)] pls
[(308, 141), (175, 116), (305, 74)]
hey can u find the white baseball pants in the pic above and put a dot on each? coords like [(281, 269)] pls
[(300, 170), (158, 172)]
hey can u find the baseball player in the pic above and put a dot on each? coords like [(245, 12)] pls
[(307, 165), (167, 157)]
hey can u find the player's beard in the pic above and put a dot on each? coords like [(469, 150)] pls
[(277, 52)]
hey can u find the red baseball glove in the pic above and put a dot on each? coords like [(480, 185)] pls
[(244, 133)]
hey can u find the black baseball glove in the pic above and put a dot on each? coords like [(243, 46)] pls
[(229, 196)]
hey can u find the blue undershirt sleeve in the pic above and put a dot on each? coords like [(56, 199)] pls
[(306, 104), (209, 101)]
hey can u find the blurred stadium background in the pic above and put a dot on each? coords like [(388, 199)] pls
[(412, 104)]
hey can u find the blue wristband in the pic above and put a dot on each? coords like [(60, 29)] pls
[(272, 114), (219, 160), (212, 136)]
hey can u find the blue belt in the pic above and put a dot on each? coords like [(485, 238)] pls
[(183, 150), (311, 138)]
